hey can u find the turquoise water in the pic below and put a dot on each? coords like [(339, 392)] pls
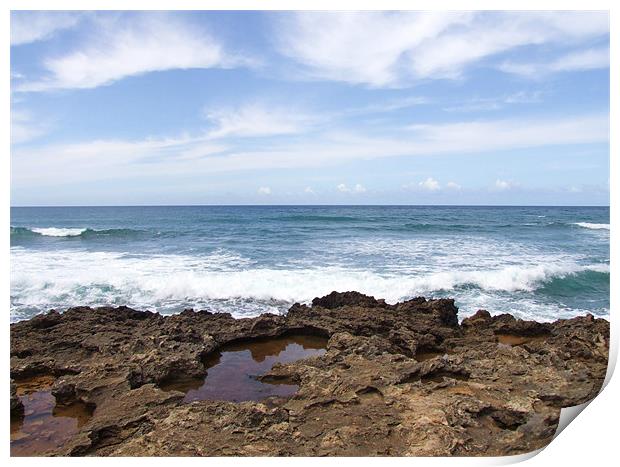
[(535, 262)]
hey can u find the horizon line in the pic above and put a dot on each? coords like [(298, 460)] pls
[(311, 205)]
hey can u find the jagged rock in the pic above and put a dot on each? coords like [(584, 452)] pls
[(480, 318), (340, 299), (402, 379), (17, 408)]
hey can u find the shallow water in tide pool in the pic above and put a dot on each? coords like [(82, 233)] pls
[(232, 372), (44, 425), (512, 341)]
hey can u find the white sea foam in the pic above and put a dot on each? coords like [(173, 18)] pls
[(58, 232), (426, 256), (588, 225), (41, 279)]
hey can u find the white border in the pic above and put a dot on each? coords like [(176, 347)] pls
[(591, 440)]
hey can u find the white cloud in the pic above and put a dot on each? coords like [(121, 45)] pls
[(475, 105), (430, 184), (119, 48), (309, 190), (264, 190), (479, 136), (111, 159), (25, 128), (358, 188), (362, 47), (523, 97), (478, 104), (386, 107), (32, 26), (257, 120), (504, 185), (383, 49), (195, 155), (579, 60), (269, 119)]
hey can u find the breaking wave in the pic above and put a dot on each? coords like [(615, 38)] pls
[(588, 225), (24, 232), (45, 279)]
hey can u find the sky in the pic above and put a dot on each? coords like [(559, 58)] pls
[(131, 108)]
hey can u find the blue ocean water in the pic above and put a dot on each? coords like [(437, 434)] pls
[(535, 262)]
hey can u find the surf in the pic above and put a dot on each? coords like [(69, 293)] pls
[(59, 232), (154, 281), (592, 226)]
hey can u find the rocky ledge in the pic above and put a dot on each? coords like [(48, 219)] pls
[(404, 379)]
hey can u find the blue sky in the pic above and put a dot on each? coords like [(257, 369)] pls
[(309, 108)]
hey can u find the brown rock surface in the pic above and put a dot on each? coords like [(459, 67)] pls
[(404, 379)]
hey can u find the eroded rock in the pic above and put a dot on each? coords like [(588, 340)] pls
[(469, 393)]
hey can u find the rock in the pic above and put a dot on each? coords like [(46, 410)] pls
[(366, 395), (17, 408), (340, 299), (480, 318), (52, 318)]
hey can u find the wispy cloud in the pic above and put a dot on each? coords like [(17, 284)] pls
[(33, 26), (25, 128), (385, 107), (264, 190), (263, 118), (202, 155), (579, 60), (257, 120), (386, 49), (487, 135), (118, 159), (357, 188), (361, 48), (482, 104), (121, 47)]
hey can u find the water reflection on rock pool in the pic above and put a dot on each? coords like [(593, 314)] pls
[(232, 372)]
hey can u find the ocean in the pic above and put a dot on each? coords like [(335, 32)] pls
[(538, 263)]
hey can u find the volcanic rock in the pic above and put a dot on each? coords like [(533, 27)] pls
[(404, 379)]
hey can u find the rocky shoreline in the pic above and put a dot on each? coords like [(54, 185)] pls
[(404, 380)]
